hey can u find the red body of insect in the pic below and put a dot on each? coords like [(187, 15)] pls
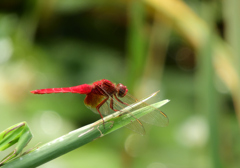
[(97, 93), (103, 95)]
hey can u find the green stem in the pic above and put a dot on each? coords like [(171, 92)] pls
[(231, 15), (136, 41), (209, 97)]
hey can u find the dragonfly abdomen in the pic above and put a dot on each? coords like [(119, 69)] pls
[(81, 89), (51, 90)]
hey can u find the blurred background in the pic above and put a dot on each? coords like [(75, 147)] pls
[(189, 50)]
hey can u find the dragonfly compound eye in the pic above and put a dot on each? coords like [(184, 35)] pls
[(122, 90)]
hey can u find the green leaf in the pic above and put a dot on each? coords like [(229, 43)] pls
[(81, 136)]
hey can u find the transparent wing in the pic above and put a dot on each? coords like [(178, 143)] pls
[(105, 110), (136, 127), (135, 124), (156, 117)]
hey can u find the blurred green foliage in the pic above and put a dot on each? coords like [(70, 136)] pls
[(45, 44)]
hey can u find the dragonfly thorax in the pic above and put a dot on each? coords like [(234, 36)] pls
[(104, 87), (107, 88)]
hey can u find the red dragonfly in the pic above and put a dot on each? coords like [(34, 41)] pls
[(103, 96)]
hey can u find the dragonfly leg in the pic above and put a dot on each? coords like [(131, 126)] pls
[(111, 105), (120, 100), (98, 107)]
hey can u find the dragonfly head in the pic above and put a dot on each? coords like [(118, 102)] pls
[(121, 90)]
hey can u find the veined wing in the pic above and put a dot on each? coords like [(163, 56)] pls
[(135, 124), (156, 117)]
